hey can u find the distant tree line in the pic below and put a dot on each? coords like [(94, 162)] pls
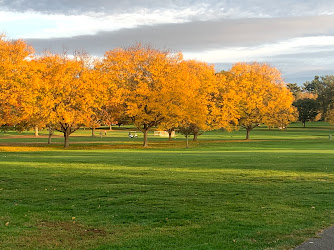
[(315, 99)]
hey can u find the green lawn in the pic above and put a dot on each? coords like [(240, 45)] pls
[(272, 192)]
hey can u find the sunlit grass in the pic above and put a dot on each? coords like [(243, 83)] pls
[(222, 193)]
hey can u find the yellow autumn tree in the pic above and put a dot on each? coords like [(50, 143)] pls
[(175, 93), (198, 88), (281, 112), (258, 87), (97, 115), (192, 82), (144, 76), (14, 78), (68, 96), (32, 89), (113, 84), (329, 116), (225, 109)]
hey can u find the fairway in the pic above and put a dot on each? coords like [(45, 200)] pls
[(272, 192)]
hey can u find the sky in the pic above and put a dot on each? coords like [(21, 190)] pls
[(296, 36)]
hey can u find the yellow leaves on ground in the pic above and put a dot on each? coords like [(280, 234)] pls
[(21, 149)]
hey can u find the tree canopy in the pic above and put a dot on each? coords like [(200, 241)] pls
[(14, 77), (323, 88), (262, 96), (307, 109), (151, 87)]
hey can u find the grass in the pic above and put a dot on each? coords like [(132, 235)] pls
[(272, 192)]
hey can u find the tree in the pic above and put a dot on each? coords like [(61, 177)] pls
[(330, 116), (67, 97), (188, 129), (300, 92), (323, 87), (199, 90), (224, 109), (281, 112), (294, 88), (109, 73), (258, 87), (14, 77), (179, 95), (307, 109), (195, 82), (94, 121), (145, 77)]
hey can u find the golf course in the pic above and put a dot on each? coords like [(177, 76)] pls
[(273, 191)]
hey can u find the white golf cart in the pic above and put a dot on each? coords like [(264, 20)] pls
[(133, 134)]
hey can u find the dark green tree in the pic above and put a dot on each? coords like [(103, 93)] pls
[(307, 109), (323, 87), (294, 88)]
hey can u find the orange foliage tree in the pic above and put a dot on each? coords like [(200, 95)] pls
[(281, 112), (145, 77), (69, 94), (110, 75), (329, 116), (225, 109), (149, 86), (197, 88), (194, 82), (14, 77), (259, 87)]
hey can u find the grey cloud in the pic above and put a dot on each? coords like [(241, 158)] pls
[(301, 77), (292, 71), (89, 6), (203, 36), (253, 8), (197, 36), (325, 53), (304, 66), (301, 67)]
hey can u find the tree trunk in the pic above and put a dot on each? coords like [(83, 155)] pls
[(187, 141), (195, 136), (50, 134), (247, 133), (170, 135), (49, 138), (145, 138), (304, 123), (67, 137), (110, 128), (36, 130), (93, 132)]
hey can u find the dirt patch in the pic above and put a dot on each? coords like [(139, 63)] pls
[(54, 235), (71, 227)]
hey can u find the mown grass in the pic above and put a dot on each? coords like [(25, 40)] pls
[(272, 192)]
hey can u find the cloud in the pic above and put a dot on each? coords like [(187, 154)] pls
[(296, 65), (44, 18), (199, 35), (297, 36), (300, 47), (36, 25), (245, 8)]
